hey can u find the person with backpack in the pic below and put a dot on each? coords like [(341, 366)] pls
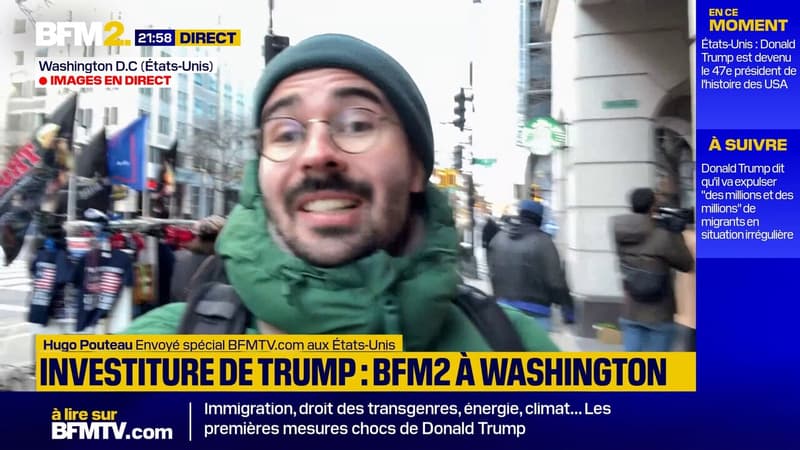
[(648, 250), (489, 231), (525, 267), (338, 229)]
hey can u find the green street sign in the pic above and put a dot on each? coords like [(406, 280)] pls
[(486, 162), (621, 104), (542, 134)]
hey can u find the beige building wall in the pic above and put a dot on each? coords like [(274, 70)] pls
[(615, 64)]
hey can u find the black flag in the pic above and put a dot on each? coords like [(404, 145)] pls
[(92, 161), (93, 187), (95, 192), (35, 175), (171, 155)]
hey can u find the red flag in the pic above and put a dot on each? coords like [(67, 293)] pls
[(34, 176)]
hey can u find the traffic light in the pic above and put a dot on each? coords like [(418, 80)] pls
[(445, 178), (274, 44), (460, 110), (458, 156)]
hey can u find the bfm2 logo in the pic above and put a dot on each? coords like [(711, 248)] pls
[(49, 34)]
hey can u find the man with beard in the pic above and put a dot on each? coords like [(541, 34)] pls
[(338, 230)]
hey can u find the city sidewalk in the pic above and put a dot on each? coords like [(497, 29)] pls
[(561, 334), (15, 278)]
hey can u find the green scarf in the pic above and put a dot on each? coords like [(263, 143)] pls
[(379, 294)]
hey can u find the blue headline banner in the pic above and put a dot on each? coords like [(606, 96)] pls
[(747, 86), (747, 79)]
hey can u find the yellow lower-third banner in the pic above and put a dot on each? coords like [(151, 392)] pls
[(112, 366)]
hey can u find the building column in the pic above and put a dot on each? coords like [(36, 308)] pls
[(617, 63), (557, 197), (610, 156)]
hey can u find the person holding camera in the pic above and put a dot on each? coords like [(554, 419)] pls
[(649, 245)]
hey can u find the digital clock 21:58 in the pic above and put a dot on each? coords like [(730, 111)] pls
[(155, 37)]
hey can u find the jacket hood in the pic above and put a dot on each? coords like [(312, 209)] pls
[(378, 294), (630, 229), (517, 227)]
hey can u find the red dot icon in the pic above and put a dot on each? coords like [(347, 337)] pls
[(43, 80)]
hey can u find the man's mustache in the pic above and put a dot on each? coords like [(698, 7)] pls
[(335, 182)]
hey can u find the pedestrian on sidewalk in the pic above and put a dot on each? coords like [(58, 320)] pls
[(489, 231), (648, 249), (525, 268)]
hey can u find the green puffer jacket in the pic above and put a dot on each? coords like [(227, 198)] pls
[(380, 294)]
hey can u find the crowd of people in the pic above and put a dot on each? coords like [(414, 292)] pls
[(656, 261)]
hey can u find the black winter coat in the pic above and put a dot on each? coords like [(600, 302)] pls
[(641, 243), (524, 265)]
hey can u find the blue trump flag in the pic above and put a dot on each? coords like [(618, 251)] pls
[(126, 155)]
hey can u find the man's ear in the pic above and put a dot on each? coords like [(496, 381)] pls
[(418, 180)]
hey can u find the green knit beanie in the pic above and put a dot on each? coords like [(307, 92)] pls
[(346, 52)]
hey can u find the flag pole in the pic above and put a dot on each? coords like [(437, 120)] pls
[(72, 188), (145, 191), (71, 198)]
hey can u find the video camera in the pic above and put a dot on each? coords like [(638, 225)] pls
[(674, 219)]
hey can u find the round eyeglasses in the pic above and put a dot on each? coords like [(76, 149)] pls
[(352, 130)]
